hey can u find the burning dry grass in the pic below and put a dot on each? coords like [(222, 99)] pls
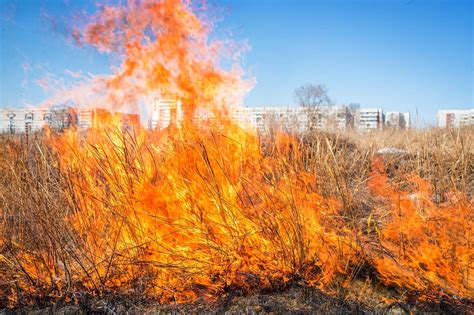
[(199, 213), (187, 214)]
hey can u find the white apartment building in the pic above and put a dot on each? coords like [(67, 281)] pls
[(85, 118), (293, 119), (368, 119), (164, 113), (407, 119), (397, 120), (335, 118), (455, 118), (22, 120), (266, 118)]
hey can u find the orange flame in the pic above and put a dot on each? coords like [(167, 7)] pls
[(198, 210), (185, 213), (427, 247), (166, 50)]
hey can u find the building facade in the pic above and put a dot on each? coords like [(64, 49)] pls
[(265, 119), (291, 119), (455, 118), (22, 120), (294, 119), (165, 112), (368, 119), (17, 121), (93, 117)]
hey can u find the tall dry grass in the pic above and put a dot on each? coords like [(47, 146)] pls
[(303, 210)]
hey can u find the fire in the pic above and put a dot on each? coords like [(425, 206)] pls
[(166, 48), (197, 211), (193, 211), (430, 246)]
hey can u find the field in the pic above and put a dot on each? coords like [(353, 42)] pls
[(218, 216), (206, 214)]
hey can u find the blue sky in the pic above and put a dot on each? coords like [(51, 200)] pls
[(408, 55)]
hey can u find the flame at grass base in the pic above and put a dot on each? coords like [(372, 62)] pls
[(192, 213), (198, 210), (429, 247)]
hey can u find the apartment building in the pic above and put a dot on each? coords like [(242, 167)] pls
[(25, 120), (294, 119), (455, 118), (368, 119), (89, 117), (336, 118), (291, 119), (21, 120), (164, 113), (266, 118)]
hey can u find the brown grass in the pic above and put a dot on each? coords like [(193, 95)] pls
[(42, 253)]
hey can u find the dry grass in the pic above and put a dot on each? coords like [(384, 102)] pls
[(71, 222)]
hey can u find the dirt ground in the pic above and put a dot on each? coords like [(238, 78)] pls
[(292, 301)]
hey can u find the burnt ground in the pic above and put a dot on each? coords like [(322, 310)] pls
[(296, 300)]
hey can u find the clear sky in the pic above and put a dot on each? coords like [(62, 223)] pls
[(407, 55)]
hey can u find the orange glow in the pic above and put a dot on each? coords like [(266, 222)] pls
[(190, 212), (429, 246), (198, 209)]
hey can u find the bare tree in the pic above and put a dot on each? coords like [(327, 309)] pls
[(353, 106), (311, 95), (312, 98)]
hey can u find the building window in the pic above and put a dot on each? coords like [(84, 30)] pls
[(47, 118), (28, 127)]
